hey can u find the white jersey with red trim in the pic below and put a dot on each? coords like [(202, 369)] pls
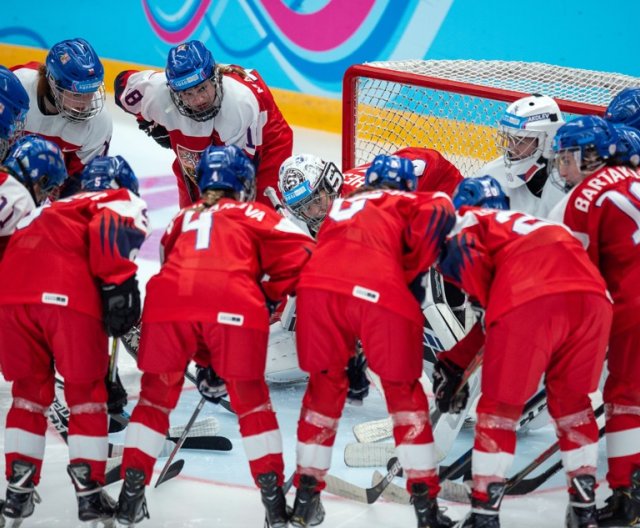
[(15, 204), (80, 142), (521, 198), (248, 118)]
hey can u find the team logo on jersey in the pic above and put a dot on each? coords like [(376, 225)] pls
[(188, 160)]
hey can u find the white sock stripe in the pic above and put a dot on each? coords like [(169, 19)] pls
[(623, 443), (263, 444), (23, 442), (418, 457), (584, 456), (141, 437), (496, 464), (89, 447), (89, 408), (313, 456)]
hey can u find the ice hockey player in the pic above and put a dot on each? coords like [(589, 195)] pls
[(67, 104), (309, 185), (624, 108), (221, 247), (546, 313), (525, 134), (29, 176), (394, 236), (603, 210), (66, 283), (13, 109), (14, 197), (195, 103)]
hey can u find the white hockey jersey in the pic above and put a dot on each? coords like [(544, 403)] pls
[(15, 204), (520, 198), (80, 142)]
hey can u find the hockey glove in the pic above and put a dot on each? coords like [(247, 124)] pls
[(117, 395), (155, 131), (210, 385), (358, 382), (446, 379), (120, 306)]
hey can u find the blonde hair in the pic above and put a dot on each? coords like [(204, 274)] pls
[(210, 198)]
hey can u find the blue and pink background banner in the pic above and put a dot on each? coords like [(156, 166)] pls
[(306, 45)]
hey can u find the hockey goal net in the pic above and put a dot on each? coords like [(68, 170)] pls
[(454, 105)]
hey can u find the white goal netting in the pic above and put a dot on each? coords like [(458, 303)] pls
[(454, 105)]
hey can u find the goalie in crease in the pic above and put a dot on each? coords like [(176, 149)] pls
[(309, 185)]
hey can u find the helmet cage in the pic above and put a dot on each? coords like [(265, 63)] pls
[(210, 111), (79, 104)]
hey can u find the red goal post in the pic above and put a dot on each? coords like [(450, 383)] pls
[(454, 106)]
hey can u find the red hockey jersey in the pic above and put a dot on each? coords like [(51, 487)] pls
[(374, 244), (434, 172), (61, 252), (604, 212), (248, 118), (503, 259), (215, 261)]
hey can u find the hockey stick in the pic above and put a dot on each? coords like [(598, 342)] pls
[(180, 441), (271, 194), (345, 489), (113, 474), (131, 340), (516, 484), (201, 436)]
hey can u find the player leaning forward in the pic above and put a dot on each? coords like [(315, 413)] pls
[(216, 253), (64, 280), (393, 236), (603, 208)]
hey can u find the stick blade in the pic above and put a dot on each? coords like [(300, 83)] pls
[(373, 431), (173, 471), (207, 443), (368, 455)]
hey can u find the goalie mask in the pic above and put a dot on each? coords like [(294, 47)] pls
[(308, 186), (525, 135)]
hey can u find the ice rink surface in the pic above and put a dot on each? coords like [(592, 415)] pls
[(215, 489)]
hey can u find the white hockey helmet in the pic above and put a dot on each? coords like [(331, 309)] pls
[(525, 135), (308, 186)]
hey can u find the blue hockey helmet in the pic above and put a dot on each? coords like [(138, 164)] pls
[(38, 164), (624, 108), (14, 105), (191, 64), (76, 79), (227, 168), (109, 172), (391, 171), (627, 145), (590, 138), (484, 191)]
